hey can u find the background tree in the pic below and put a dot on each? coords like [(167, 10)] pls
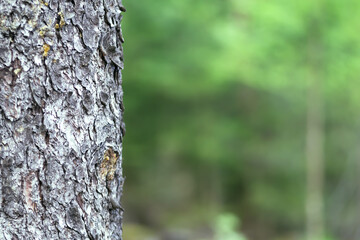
[(61, 124)]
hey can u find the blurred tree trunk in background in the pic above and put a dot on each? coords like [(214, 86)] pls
[(315, 134), (315, 164), (61, 124)]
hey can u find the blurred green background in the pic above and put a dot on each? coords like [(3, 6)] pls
[(242, 119)]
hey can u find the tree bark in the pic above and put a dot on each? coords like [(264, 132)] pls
[(61, 126)]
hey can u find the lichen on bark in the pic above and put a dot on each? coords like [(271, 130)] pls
[(61, 124)]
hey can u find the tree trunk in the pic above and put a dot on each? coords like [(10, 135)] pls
[(61, 126), (315, 133), (315, 164)]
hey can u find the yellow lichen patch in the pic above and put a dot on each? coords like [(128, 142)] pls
[(46, 48), (43, 31), (108, 165), (43, 2), (17, 71), (62, 21)]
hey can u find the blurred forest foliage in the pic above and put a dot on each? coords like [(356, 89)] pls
[(216, 98)]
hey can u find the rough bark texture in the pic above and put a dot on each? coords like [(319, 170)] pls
[(61, 125)]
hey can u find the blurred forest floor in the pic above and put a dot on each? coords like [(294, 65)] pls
[(217, 114)]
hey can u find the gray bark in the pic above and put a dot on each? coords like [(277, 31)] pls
[(61, 126)]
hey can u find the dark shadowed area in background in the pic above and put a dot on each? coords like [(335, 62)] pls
[(242, 120)]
